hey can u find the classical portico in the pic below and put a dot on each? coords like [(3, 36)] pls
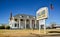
[(23, 21), (26, 23)]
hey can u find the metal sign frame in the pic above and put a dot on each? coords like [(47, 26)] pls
[(41, 15)]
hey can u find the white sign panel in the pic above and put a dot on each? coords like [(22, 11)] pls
[(42, 13)]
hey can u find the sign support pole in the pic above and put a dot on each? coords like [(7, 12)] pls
[(42, 22), (39, 27), (44, 26)]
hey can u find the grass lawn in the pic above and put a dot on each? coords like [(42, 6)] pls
[(9, 33)]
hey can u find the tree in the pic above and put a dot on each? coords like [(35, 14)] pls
[(53, 25), (7, 27), (2, 27)]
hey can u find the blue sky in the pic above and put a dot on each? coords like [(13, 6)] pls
[(29, 7)]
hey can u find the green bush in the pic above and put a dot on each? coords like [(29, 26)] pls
[(54, 31), (7, 27), (2, 27)]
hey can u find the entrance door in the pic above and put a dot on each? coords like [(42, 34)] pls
[(27, 26)]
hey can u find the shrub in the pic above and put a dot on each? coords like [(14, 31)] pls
[(54, 31), (48, 28), (2, 27), (7, 27)]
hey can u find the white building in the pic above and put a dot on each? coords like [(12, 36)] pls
[(21, 21)]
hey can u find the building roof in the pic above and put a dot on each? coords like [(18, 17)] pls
[(24, 16)]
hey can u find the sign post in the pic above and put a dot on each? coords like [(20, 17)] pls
[(42, 15), (44, 25)]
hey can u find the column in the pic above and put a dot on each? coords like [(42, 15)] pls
[(13, 22), (31, 24), (19, 24), (11, 25), (25, 23), (35, 23)]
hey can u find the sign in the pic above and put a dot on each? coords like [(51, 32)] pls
[(42, 13)]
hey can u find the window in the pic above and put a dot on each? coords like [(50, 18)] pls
[(22, 16), (15, 19), (27, 16), (15, 25), (27, 20), (21, 19), (33, 21)]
